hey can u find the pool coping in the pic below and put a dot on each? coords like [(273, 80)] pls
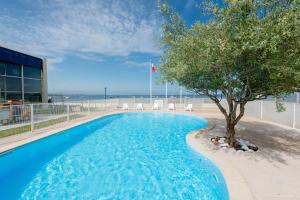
[(56, 129), (46, 132), (236, 183)]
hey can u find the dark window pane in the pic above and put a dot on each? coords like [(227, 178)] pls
[(2, 96), (13, 84), (13, 70), (13, 96), (33, 97), (31, 85), (2, 81), (2, 68), (30, 72)]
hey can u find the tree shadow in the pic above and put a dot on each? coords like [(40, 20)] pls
[(275, 143)]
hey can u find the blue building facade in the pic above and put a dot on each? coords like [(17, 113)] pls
[(22, 77)]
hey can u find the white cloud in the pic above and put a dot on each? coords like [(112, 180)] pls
[(131, 63), (56, 28), (91, 57), (52, 63)]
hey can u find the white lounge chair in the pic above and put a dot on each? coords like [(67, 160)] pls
[(189, 107), (125, 106), (171, 106), (155, 106), (139, 106)]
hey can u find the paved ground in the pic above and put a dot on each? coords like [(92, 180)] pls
[(272, 173)]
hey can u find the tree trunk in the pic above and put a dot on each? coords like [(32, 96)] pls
[(231, 133), (231, 118)]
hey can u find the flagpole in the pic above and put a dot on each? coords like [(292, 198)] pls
[(150, 81)]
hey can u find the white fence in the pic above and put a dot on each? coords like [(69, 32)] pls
[(266, 110), (16, 119), (22, 118)]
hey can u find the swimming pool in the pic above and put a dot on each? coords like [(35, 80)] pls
[(122, 156)]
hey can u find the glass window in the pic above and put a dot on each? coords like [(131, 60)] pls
[(33, 97), (2, 83), (13, 95), (2, 68), (13, 84), (31, 85), (2, 96), (13, 70), (31, 72)]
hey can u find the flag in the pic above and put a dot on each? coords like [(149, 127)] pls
[(153, 68)]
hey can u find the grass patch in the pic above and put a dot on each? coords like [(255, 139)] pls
[(50, 122), (37, 125), (14, 131)]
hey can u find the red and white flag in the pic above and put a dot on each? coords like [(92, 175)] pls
[(153, 68)]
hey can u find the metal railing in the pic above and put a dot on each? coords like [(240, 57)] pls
[(16, 119)]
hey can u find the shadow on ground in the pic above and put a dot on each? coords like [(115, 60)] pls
[(275, 143)]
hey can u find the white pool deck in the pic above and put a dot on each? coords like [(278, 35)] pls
[(272, 173)]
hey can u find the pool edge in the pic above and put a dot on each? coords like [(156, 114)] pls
[(237, 186), (49, 131), (44, 133)]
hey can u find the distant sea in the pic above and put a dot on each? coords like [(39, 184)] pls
[(83, 97)]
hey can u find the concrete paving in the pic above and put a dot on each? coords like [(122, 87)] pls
[(271, 173)]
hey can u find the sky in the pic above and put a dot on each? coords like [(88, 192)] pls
[(92, 44)]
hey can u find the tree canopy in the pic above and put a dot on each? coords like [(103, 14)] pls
[(249, 49)]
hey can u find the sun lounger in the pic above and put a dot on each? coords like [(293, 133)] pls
[(125, 106), (155, 106), (171, 106), (189, 107), (139, 106)]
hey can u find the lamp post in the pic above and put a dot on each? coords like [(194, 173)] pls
[(105, 97)]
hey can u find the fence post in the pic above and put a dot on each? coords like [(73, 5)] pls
[(261, 109), (294, 116), (31, 117), (68, 112)]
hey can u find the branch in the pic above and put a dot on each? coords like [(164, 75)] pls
[(242, 111), (217, 102), (223, 110)]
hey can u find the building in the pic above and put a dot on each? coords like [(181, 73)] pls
[(23, 78)]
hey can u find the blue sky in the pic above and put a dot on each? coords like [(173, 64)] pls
[(91, 44)]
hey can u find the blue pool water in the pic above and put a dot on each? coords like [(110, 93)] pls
[(123, 156)]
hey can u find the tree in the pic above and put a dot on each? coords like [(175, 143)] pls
[(248, 50)]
